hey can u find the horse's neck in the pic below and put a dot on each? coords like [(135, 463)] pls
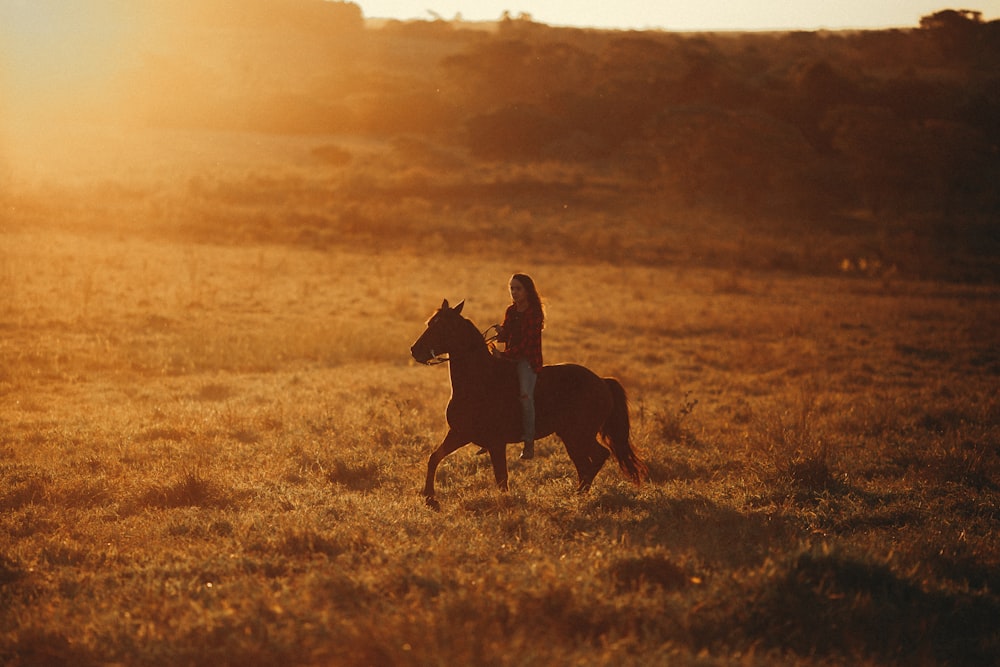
[(471, 371)]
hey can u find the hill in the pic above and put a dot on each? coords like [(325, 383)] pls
[(809, 151)]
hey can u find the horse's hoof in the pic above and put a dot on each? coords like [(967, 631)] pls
[(431, 502)]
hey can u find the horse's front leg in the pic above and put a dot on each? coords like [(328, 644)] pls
[(450, 444), (498, 457)]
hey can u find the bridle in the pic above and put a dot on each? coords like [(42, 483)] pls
[(437, 359), (444, 357)]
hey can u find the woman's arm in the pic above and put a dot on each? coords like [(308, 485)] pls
[(503, 332)]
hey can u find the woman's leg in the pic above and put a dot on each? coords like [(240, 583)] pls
[(526, 378)]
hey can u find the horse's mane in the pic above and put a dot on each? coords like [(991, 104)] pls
[(473, 329)]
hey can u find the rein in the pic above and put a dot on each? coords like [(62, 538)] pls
[(437, 359), (496, 333)]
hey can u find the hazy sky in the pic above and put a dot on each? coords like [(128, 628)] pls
[(686, 14)]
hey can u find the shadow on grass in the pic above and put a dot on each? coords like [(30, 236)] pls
[(833, 604), (721, 536), (43, 648)]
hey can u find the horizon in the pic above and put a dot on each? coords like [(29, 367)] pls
[(709, 16)]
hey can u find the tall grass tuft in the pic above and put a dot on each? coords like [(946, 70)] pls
[(791, 456), (828, 602), (190, 489), (671, 426), (22, 485)]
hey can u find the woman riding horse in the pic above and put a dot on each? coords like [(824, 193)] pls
[(570, 401)]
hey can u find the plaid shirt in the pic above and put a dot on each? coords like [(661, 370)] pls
[(522, 332)]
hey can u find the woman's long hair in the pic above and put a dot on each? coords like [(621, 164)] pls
[(534, 298)]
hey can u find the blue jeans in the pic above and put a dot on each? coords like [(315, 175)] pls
[(526, 378)]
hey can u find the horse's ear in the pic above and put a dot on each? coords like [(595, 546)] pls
[(460, 306), (444, 304)]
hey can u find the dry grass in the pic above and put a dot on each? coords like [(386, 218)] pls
[(211, 454), (212, 438)]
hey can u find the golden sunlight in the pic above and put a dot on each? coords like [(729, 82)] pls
[(98, 74), (62, 55), (63, 68)]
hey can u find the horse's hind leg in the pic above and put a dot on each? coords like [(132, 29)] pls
[(587, 455), (596, 456), (599, 455)]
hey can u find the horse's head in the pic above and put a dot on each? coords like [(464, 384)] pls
[(447, 332)]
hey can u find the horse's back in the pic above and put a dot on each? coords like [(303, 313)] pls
[(568, 369), (572, 390), (563, 374)]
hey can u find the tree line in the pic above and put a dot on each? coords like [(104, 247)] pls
[(898, 123)]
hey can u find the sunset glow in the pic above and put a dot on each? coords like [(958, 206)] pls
[(71, 48)]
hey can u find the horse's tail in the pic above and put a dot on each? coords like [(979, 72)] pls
[(616, 434)]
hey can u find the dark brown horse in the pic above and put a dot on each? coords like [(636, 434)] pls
[(570, 401)]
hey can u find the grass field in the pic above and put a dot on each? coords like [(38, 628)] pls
[(211, 453)]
